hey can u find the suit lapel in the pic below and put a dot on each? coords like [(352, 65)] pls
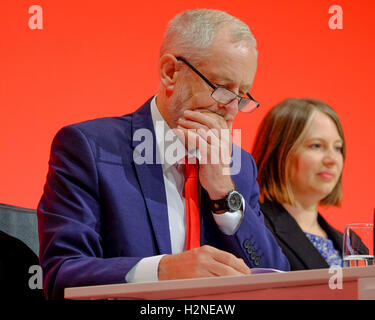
[(150, 175), (332, 234), (291, 234)]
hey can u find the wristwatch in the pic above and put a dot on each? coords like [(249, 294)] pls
[(232, 202)]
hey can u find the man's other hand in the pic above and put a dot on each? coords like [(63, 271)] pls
[(201, 262)]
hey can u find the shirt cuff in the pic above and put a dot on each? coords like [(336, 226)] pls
[(146, 270), (229, 222)]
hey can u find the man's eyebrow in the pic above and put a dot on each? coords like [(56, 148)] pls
[(246, 88), (226, 80), (221, 77)]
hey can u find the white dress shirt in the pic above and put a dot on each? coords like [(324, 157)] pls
[(228, 222)]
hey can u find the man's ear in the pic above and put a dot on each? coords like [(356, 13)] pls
[(168, 71)]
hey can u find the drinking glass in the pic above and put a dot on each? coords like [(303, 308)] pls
[(358, 245)]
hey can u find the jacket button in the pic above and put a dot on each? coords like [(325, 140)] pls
[(257, 261), (247, 243)]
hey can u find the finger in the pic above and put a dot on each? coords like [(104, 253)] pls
[(180, 133), (193, 140), (212, 149), (218, 146), (189, 124), (236, 264), (188, 136), (228, 118), (196, 141), (231, 261), (210, 119), (211, 136), (214, 262), (222, 132), (220, 269), (184, 265)]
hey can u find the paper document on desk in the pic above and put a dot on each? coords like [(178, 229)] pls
[(264, 270)]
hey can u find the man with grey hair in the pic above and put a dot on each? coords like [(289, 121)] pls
[(108, 216)]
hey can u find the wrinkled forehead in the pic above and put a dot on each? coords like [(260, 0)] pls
[(231, 62)]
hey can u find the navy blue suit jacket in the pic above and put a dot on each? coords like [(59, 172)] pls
[(101, 212)]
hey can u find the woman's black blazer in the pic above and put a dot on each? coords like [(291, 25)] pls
[(299, 250)]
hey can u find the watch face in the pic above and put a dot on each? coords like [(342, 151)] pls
[(234, 201)]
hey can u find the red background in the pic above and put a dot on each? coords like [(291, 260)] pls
[(99, 58)]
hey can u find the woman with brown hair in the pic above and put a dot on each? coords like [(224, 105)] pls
[(300, 151)]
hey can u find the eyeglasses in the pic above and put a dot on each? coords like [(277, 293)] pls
[(223, 95)]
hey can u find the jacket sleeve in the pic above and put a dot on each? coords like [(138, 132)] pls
[(253, 241), (69, 220)]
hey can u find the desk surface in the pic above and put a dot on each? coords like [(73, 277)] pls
[(357, 283)]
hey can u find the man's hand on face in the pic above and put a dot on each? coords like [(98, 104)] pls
[(212, 135), (201, 262)]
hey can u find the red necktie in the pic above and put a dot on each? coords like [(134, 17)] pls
[(193, 234)]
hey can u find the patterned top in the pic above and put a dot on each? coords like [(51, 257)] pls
[(326, 249)]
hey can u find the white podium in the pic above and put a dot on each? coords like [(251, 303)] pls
[(319, 284)]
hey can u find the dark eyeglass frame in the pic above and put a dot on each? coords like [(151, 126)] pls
[(241, 98)]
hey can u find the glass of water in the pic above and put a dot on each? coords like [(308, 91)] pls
[(358, 245)]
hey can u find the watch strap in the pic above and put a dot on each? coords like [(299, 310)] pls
[(221, 205)]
